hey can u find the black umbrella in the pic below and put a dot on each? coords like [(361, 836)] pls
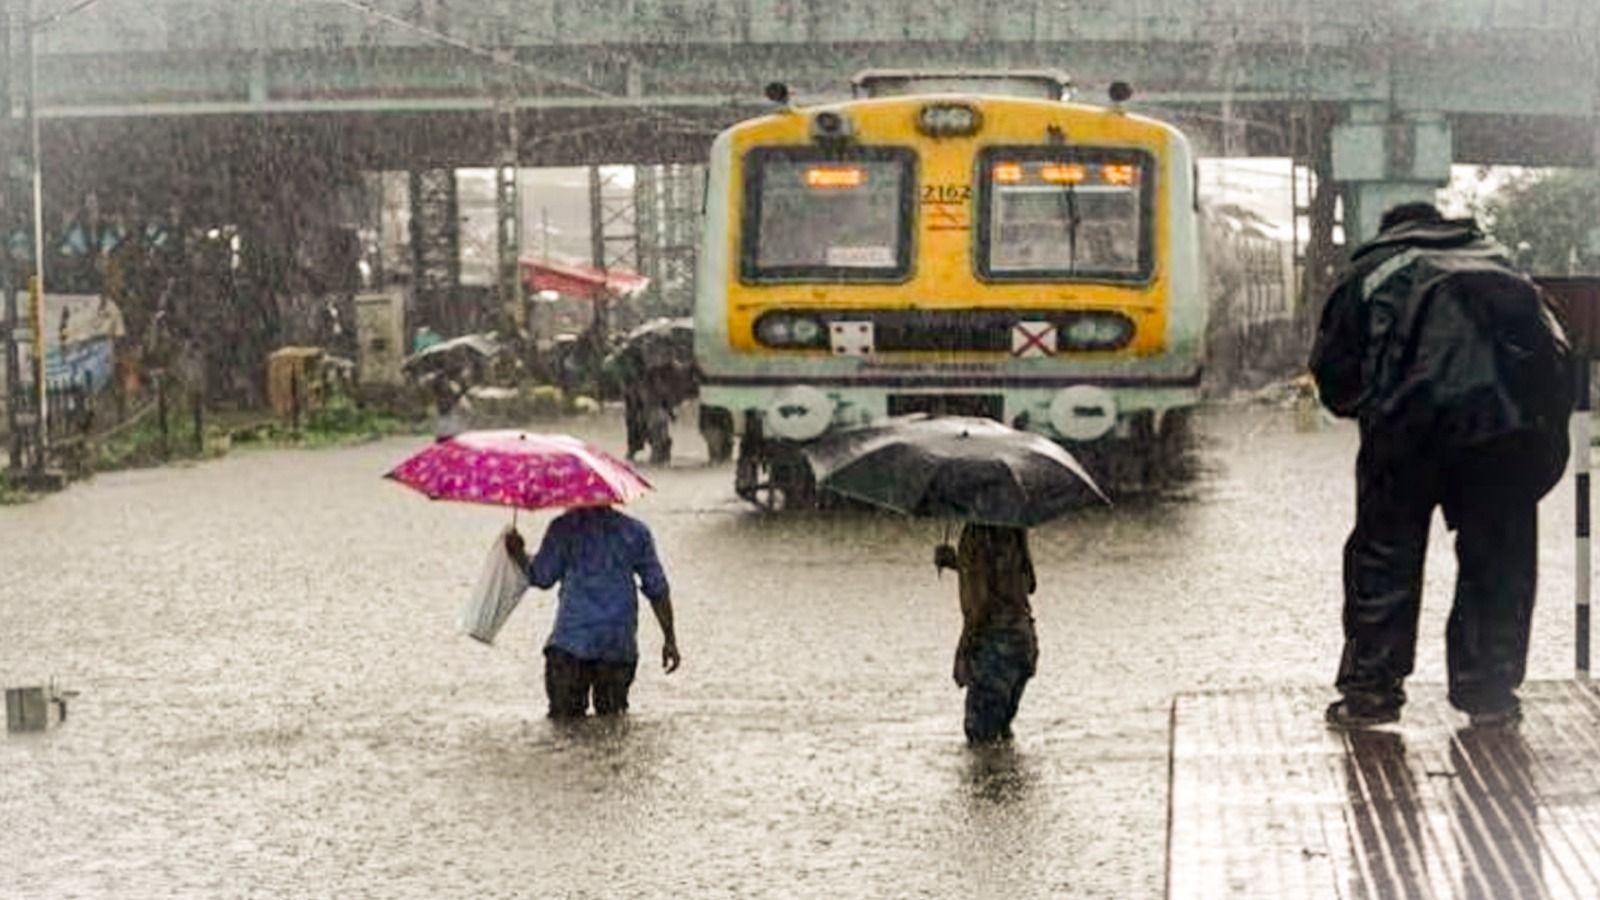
[(975, 470), (660, 351), (451, 352), (661, 342)]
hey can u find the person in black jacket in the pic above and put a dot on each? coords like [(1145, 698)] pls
[(1456, 370)]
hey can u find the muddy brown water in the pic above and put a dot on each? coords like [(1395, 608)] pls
[(275, 702)]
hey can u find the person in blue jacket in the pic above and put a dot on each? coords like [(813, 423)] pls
[(602, 560)]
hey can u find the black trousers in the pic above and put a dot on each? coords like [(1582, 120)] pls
[(1494, 515), (570, 682), (633, 419), (1000, 662), (648, 420)]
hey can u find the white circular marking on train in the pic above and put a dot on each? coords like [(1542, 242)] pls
[(1083, 412), (798, 413)]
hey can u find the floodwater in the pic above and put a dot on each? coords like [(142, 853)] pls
[(275, 702)]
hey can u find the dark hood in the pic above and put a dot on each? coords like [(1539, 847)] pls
[(1440, 235)]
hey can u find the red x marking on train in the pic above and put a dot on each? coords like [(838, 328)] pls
[(1033, 339)]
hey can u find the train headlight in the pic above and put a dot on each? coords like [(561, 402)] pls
[(775, 330), (1098, 331), (948, 120), (807, 331), (783, 330), (829, 127)]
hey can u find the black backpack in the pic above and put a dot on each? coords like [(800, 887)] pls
[(1472, 352)]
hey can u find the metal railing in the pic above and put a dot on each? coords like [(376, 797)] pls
[(70, 412)]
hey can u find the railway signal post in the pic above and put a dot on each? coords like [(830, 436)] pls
[(1580, 301)]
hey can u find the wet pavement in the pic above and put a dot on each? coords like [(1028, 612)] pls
[(1267, 804), (275, 702)]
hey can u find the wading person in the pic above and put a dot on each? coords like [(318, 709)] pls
[(449, 393), (653, 381), (998, 651), (644, 416), (597, 553), (1456, 371)]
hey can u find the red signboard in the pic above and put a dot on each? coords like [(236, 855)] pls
[(580, 281)]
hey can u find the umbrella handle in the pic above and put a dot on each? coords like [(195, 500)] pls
[(514, 512)]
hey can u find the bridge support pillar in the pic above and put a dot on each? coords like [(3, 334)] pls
[(667, 198), (513, 314), (436, 249), (1384, 157)]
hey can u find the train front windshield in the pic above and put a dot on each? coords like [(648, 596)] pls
[(1066, 215), (815, 217)]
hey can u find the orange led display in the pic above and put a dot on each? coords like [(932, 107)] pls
[(835, 177), (1007, 173), (1120, 174), (1065, 173)]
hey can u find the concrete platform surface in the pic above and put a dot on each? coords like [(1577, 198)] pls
[(1266, 802)]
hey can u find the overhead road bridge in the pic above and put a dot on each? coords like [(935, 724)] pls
[(228, 103)]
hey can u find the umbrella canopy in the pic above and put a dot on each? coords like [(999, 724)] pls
[(975, 470), (449, 352), (660, 342), (675, 330), (521, 470), (660, 354)]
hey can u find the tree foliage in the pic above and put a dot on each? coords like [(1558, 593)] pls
[(1553, 213)]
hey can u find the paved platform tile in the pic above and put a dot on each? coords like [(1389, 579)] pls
[(1266, 802)]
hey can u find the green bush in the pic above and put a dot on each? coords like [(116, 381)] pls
[(12, 494), (141, 444), (342, 420)]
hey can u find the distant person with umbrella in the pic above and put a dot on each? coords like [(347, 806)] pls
[(999, 482), (655, 370), (998, 651), (447, 370), (448, 390)]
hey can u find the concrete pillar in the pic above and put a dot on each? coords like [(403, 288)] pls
[(508, 222), (436, 249), (1384, 157), (1322, 255)]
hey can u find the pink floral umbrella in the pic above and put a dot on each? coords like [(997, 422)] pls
[(520, 470)]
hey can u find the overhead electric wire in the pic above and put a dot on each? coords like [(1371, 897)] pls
[(500, 59), (52, 19)]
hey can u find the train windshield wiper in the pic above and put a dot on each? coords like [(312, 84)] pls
[(1068, 198)]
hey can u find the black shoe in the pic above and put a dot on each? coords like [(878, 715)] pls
[(1500, 718), (1343, 715)]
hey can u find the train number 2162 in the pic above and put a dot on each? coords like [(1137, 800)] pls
[(946, 193)]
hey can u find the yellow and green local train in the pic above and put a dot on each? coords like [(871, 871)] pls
[(963, 243)]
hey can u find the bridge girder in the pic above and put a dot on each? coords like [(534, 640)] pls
[(403, 107), (152, 155), (651, 77)]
